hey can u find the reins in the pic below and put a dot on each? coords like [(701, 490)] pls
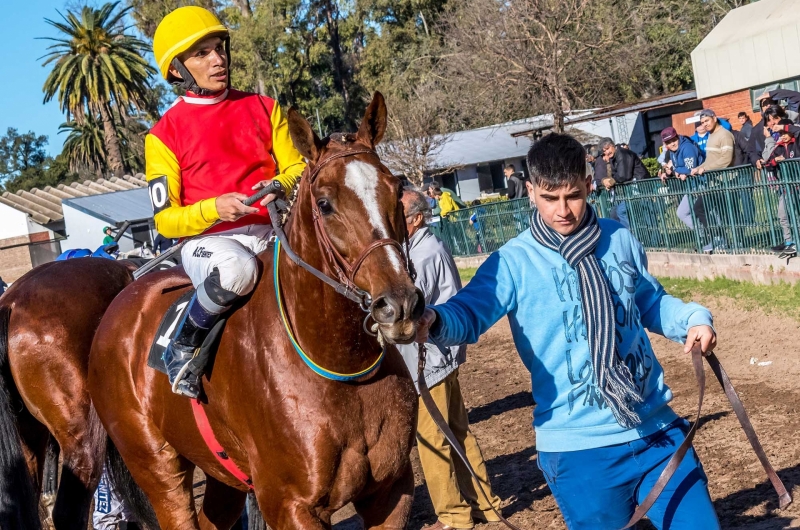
[(784, 497)]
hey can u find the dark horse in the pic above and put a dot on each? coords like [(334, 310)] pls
[(310, 445), (47, 321)]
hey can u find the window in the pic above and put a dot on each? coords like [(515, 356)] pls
[(788, 84)]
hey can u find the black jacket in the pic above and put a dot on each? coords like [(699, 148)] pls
[(755, 146), (627, 166), (740, 146), (516, 187)]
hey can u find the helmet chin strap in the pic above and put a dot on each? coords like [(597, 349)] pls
[(187, 81)]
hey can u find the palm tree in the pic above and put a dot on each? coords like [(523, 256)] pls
[(84, 145), (98, 69)]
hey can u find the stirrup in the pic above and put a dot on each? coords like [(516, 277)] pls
[(186, 382)]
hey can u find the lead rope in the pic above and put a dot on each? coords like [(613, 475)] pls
[(784, 497), (438, 419)]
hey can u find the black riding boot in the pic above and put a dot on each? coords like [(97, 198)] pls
[(182, 349)]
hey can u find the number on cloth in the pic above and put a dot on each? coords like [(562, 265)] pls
[(163, 340)]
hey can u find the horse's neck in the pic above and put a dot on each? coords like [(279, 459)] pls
[(327, 325)]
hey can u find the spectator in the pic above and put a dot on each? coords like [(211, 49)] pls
[(3, 286), (792, 99), (684, 155), (746, 126), (755, 147), (719, 145), (599, 167), (786, 148), (108, 231), (461, 204), (700, 136), (626, 166), (455, 497), (445, 201), (162, 243), (516, 187), (475, 222)]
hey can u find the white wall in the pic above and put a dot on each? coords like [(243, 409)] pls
[(85, 231), (13, 223), (468, 186)]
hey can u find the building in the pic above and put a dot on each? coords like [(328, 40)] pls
[(32, 223), (478, 156), (86, 217), (755, 48)]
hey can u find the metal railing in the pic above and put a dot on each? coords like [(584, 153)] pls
[(730, 211)]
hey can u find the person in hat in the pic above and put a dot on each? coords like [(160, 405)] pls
[(719, 146), (211, 149), (109, 235)]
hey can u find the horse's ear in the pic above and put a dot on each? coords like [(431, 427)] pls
[(303, 136), (374, 123)]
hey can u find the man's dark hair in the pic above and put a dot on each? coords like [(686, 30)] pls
[(435, 186), (556, 160), (511, 167), (774, 111), (785, 121), (766, 102), (742, 114)]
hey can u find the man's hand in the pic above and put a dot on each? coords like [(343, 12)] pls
[(424, 324), (760, 164), (269, 198), (231, 208), (704, 335), (608, 182), (682, 176), (697, 171)]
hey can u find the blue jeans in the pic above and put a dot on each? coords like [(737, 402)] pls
[(599, 489)]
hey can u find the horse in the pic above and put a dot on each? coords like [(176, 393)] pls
[(47, 322), (307, 444)]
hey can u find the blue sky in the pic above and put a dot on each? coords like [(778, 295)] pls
[(21, 93)]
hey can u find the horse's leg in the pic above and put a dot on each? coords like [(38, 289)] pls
[(50, 478), (390, 507), (82, 447), (222, 505), (163, 475), (287, 513)]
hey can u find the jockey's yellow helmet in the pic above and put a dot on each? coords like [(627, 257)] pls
[(180, 30)]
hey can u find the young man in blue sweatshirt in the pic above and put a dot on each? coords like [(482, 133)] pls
[(579, 298)]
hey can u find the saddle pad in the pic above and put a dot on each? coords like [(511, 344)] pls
[(169, 328)]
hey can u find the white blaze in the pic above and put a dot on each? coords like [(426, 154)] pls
[(362, 178)]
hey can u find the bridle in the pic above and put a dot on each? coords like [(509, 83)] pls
[(345, 270)]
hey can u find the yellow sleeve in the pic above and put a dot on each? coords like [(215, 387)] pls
[(163, 173), (447, 204), (290, 161)]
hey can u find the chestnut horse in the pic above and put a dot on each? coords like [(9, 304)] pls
[(309, 444), (47, 322)]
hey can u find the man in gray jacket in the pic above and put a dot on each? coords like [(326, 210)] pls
[(437, 277)]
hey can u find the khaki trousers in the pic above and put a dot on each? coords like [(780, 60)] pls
[(455, 496)]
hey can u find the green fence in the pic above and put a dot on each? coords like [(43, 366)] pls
[(733, 211)]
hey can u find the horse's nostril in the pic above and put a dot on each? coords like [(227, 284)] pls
[(384, 310)]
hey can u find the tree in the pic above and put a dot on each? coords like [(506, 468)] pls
[(21, 154), (84, 148), (99, 69)]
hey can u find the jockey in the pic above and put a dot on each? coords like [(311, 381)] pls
[(209, 150)]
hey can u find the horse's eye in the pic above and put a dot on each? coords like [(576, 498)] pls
[(324, 206)]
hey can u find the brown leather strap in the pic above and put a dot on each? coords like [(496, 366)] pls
[(440, 422), (697, 361)]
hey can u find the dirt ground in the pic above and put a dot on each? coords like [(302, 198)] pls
[(496, 389)]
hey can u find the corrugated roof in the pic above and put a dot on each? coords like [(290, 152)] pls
[(44, 206), (115, 207), (489, 144), (756, 44)]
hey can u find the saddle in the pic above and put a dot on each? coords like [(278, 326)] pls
[(204, 360)]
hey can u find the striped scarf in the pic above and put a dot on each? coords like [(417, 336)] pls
[(611, 376)]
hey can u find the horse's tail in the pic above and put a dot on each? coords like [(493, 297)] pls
[(126, 488), (19, 507)]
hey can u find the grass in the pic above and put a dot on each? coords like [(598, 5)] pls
[(781, 298)]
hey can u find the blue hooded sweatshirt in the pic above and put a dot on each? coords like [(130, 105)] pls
[(540, 293), (687, 156)]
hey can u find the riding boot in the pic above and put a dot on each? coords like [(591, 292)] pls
[(193, 330)]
